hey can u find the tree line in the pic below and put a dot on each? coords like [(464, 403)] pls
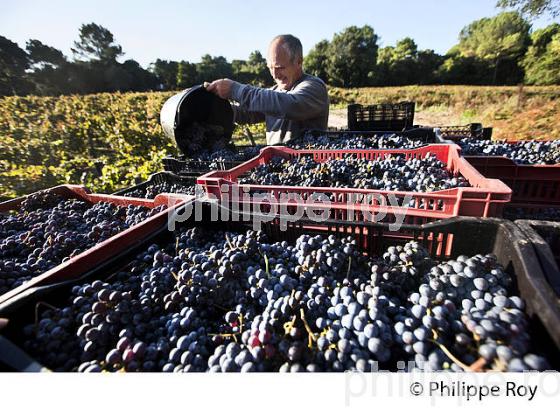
[(500, 50)]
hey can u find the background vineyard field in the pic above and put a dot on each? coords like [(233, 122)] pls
[(109, 141)]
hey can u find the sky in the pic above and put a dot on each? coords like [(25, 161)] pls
[(186, 30)]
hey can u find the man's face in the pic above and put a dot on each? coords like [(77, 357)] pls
[(284, 71)]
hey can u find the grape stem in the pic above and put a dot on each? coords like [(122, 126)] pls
[(477, 366), (288, 326), (229, 242), (311, 335), (266, 265)]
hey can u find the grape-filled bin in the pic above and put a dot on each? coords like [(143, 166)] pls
[(535, 188), (188, 321), (485, 197), (88, 259)]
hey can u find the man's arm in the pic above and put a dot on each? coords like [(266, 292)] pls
[(307, 100), (241, 116)]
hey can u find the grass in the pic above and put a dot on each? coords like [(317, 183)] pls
[(513, 112)]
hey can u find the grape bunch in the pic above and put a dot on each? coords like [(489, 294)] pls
[(198, 137), (391, 173), (229, 154), (152, 189), (214, 301), (207, 160), (462, 317), (522, 152), (48, 230), (351, 141)]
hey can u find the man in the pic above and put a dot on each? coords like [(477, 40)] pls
[(297, 102)]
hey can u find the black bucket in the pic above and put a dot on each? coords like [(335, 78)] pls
[(195, 105)]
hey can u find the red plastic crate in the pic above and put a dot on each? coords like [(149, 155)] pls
[(111, 247), (533, 186), (485, 197)]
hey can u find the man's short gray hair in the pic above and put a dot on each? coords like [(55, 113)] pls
[(291, 44)]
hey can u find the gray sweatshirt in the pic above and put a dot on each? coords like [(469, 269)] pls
[(286, 112)]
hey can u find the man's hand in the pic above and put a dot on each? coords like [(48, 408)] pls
[(222, 88)]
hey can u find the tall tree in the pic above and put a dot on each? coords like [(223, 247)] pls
[(257, 67), (13, 63), (352, 56), (495, 39), (458, 69), (404, 64), (406, 49), (49, 69), (252, 71), (383, 74), (239, 71), (187, 76), (166, 73), (212, 68), (533, 8), (404, 61), (427, 65), (96, 43), (542, 60), (41, 54), (140, 79), (315, 62)]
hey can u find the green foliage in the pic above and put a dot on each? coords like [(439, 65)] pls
[(533, 8), (138, 79), (504, 35), (315, 62), (252, 71), (404, 64), (41, 54), (13, 63), (49, 68), (212, 68), (457, 69), (96, 43), (542, 60), (187, 75), (427, 64), (496, 50), (166, 73), (352, 56), (495, 39), (105, 141), (256, 66)]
